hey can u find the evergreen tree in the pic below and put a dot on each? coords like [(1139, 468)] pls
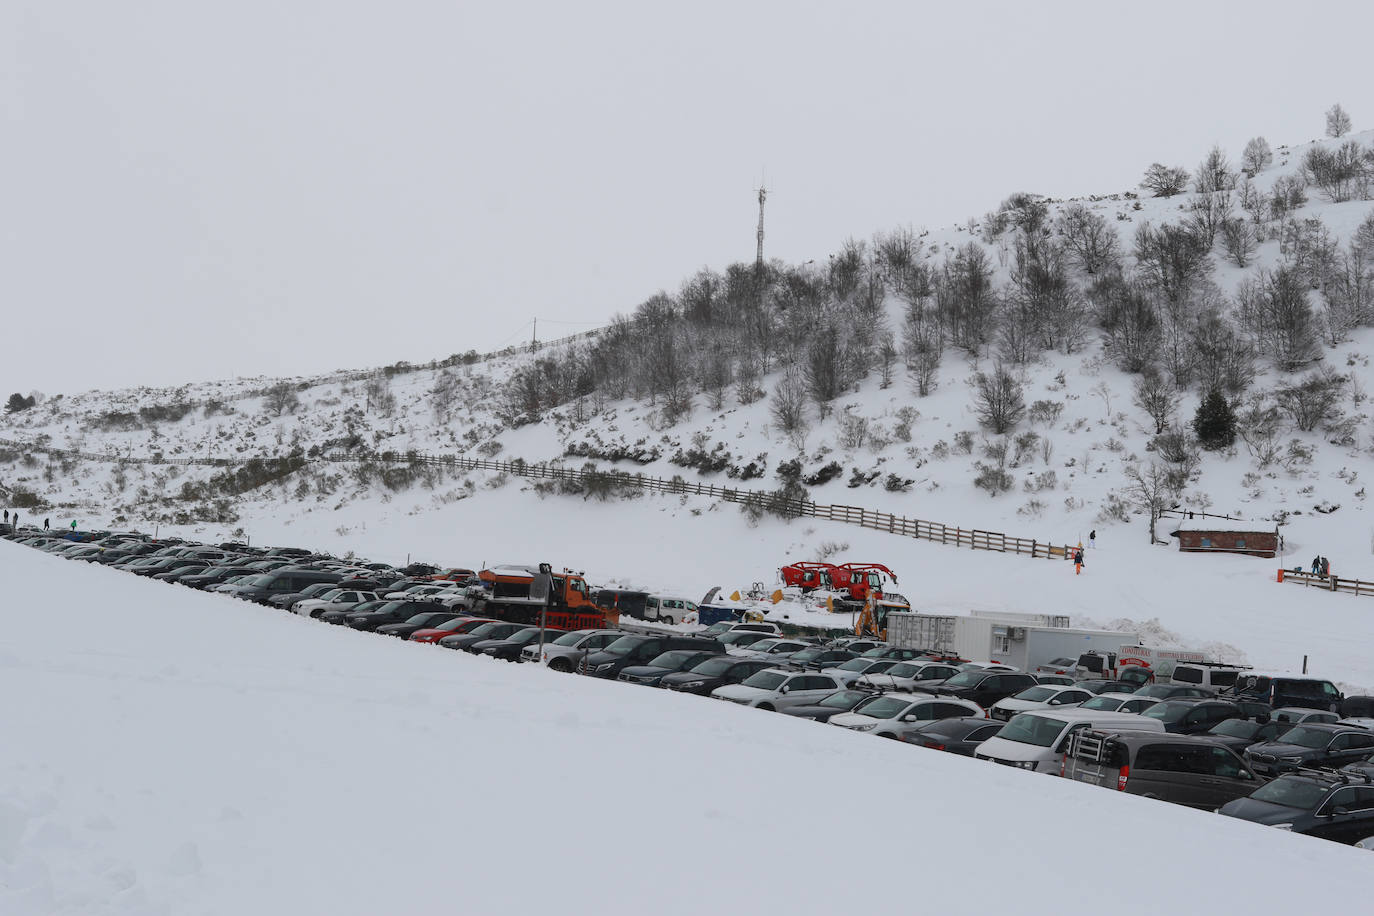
[(1215, 421), (18, 402)]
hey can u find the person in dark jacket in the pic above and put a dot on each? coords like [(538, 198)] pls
[(1078, 562), (47, 524), (1316, 565)]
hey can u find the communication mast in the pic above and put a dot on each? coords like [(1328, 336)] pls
[(758, 258)]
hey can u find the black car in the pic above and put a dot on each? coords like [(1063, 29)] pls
[(1238, 734), (1358, 707), (671, 662), (391, 612), (899, 654), (640, 650), (960, 735), (508, 649), (313, 590), (496, 630), (832, 705), (211, 576), (339, 615), (1334, 806), (1097, 685), (1316, 745), (820, 657), (984, 687), (1174, 692), (717, 671), (166, 564), (1192, 716), (421, 621)]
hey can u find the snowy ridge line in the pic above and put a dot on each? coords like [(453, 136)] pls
[(974, 538)]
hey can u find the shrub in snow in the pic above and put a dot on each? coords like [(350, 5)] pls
[(824, 475), (1033, 508), (1257, 156), (1165, 181), (897, 484), (998, 400), (1313, 399), (1045, 412), (992, 479)]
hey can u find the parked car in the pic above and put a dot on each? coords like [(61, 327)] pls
[(391, 612), (338, 614), (1357, 707), (1065, 666), (960, 735), (1099, 686), (1195, 771), (1211, 675), (717, 671), (454, 627), (509, 649), (278, 581), (638, 650), (831, 704), (1055, 680), (1192, 716), (564, 652), (742, 639), (1297, 715), (778, 688), (1119, 702), (1314, 745), (911, 675), (727, 626), (332, 599), (1279, 690), (495, 629), (775, 648), (1041, 696), (1333, 806), (1037, 740), (983, 686), (1174, 692), (652, 674), (315, 589), (1238, 734), (422, 621), (899, 653), (850, 672), (887, 715)]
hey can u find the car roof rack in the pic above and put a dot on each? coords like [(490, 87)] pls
[(1345, 777)]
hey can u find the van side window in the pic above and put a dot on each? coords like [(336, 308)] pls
[(1225, 764), (1187, 675)]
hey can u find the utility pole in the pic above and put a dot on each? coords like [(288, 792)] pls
[(534, 336)]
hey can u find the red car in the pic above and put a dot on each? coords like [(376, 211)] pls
[(434, 634)]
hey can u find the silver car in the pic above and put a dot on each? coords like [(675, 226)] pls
[(564, 652)]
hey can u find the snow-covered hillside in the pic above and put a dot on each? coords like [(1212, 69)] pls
[(896, 452), (168, 752)]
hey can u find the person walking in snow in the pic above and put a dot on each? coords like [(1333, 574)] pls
[(1092, 538), (7, 516), (46, 524), (1326, 568), (1316, 565), (1078, 562)]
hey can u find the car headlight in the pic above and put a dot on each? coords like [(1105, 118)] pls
[(1282, 826), (1291, 760), (693, 685), (865, 728), (1026, 764)]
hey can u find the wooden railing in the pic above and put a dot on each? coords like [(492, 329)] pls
[(1329, 583), (873, 519)]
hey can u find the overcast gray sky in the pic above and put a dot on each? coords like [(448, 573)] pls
[(201, 190)]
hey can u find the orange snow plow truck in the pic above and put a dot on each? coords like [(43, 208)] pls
[(570, 605)]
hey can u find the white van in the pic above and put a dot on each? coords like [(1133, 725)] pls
[(1211, 675), (667, 608), (1036, 740)]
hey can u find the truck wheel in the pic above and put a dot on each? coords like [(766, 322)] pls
[(560, 664), (767, 707)]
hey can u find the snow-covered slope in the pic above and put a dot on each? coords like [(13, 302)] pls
[(173, 752)]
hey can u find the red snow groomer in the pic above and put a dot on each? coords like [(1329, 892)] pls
[(859, 580), (808, 576)]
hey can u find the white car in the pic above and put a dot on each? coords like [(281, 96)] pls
[(778, 688), (1036, 740), (564, 652), (313, 607), (855, 668), (907, 676), (765, 648), (1042, 696), (886, 715), (1119, 702), (420, 593)]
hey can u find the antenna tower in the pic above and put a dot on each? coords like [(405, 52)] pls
[(758, 258)]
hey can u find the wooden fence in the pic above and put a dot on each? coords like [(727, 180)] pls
[(1328, 583), (875, 520)]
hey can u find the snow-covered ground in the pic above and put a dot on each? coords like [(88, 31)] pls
[(171, 752)]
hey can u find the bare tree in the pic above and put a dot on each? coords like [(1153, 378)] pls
[(1238, 235), (1150, 490), (922, 345), (999, 401), (1341, 174), (788, 407), (1207, 213), (379, 396), (281, 398), (714, 374), (887, 360), (1154, 396), (1313, 399), (966, 298), (1089, 239), (1165, 181), (1337, 121), (443, 396), (1274, 307), (1171, 257), (1127, 313), (1257, 156), (1214, 173), (1261, 428)]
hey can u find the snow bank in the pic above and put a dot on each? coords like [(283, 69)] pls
[(173, 752)]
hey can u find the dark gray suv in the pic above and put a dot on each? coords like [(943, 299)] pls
[(640, 650), (1316, 745), (1196, 771)]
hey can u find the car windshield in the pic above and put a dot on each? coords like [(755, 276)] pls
[(1303, 736), (1104, 703), (883, 707), (569, 639), (905, 669), (766, 680), (524, 636), (713, 666), (1292, 792), (1035, 694), (856, 664), (1167, 713), (1234, 728), (1160, 691), (805, 655), (737, 637), (763, 645), (422, 619), (1061, 663), (1029, 728), (484, 629), (673, 660), (624, 645), (262, 581), (1300, 688), (842, 699), (966, 678)]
